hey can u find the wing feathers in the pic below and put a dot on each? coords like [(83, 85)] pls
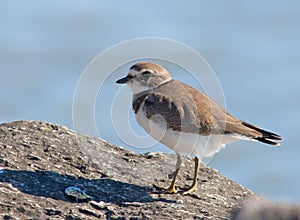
[(189, 110), (267, 137)]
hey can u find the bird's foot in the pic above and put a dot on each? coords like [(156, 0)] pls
[(189, 190), (170, 190)]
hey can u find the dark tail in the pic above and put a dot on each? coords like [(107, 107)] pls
[(267, 137)]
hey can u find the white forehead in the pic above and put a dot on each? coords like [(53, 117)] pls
[(134, 72)]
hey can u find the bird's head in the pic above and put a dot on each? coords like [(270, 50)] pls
[(145, 76)]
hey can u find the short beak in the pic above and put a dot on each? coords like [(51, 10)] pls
[(123, 80)]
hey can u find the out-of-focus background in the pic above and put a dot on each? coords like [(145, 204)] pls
[(252, 46)]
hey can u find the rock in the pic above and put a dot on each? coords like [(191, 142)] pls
[(260, 210), (39, 161)]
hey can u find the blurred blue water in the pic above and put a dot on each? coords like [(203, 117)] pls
[(252, 46)]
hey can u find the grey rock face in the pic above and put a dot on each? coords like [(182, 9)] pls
[(38, 161), (260, 210)]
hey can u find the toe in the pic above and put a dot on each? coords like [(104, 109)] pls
[(189, 190), (171, 190)]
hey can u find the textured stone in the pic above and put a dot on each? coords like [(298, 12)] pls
[(39, 160), (260, 210)]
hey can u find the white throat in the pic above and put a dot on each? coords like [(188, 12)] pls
[(137, 87)]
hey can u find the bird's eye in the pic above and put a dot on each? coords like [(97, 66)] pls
[(146, 73)]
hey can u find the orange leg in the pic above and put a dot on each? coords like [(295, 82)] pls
[(194, 185), (172, 188)]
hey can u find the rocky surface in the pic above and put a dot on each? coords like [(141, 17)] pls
[(264, 210), (39, 160)]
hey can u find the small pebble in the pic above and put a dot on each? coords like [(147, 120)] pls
[(77, 193)]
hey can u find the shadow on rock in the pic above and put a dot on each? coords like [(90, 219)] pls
[(52, 185)]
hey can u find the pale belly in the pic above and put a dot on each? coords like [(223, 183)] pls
[(181, 142)]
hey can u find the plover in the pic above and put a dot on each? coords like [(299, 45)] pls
[(183, 118)]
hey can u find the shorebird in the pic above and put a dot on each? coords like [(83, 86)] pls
[(185, 119)]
